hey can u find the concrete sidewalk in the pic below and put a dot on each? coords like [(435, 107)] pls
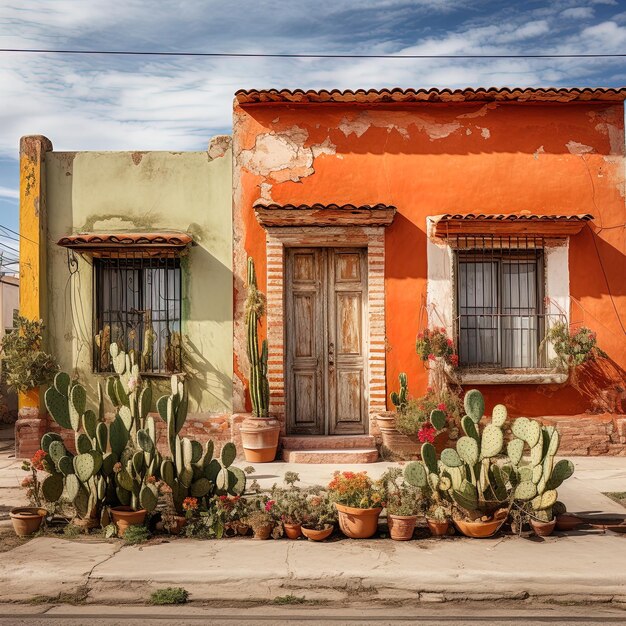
[(582, 567)]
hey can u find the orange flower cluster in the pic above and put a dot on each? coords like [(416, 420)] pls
[(354, 489), (190, 504)]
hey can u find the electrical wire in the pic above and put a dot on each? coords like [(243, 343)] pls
[(281, 55), (19, 236)]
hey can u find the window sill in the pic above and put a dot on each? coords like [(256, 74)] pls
[(512, 377)]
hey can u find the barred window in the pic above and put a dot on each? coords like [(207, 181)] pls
[(501, 320), (138, 306)]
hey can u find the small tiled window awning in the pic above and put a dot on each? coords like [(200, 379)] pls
[(324, 214), (135, 244), (477, 224)]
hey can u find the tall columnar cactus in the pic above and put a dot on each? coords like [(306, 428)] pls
[(259, 385), (400, 399)]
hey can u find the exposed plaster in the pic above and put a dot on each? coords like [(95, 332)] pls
[(219, 146), (136, 157), (537, 152), (578, 148), (480, 112)]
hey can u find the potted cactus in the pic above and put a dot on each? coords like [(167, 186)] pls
[(259, 433), (403, 503), (537, 481)]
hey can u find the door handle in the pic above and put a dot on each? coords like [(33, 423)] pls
[(331, 355)]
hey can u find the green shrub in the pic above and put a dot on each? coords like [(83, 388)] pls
[(136, 534), (169, 595)]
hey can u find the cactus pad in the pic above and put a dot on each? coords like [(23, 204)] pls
[(52, 487), (57, 451), (62, 383), (124, 480), (229, 453), (102, 435), (474, 404), (161, 406), (415, 474), (555, 440), (138, 461), (222, 481), (562, 471), (90, 422), (145, 441), (466, 497), (65, 465), (491, 442), (467, 449), (451, 458), (545, 500), (429, 456), (527, 430), (469, 428), (167, 472), (515, 451), (526, 490), (72, 486), (148, 498), (118, 435), (499, 415), (108, 461), (47, 439), (200, 487), (58, 407), (84, 467), (558, 508), (239, 486), (83, 443), (185, 476), (438, 419), (78, 402), (145, 401), (126, 417), (445, 483)]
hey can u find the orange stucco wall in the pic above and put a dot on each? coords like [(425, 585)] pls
[(429, 159)]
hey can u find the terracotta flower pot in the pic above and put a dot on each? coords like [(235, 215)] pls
[(543, 529), (125, 516), (179, 523), (27, 520), (259, 438), (478, 529), (242, 529), (263, 532), (293, 531), (318, 535), (438, 528), (401, 527), (568, 521), (86, 523), (358, 523)]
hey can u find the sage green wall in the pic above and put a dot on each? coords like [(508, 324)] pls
[(147, 192)]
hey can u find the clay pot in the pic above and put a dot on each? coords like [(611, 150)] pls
[(293, 531), (406, 446), (179, 523), (438, 528), (568, 521), (478, 529), (318, 535), (125, 516), (242, 529), (358, 523), (27, 520), (86, 523), (401, 527), (543, 529), (259, 438), (263, 532)]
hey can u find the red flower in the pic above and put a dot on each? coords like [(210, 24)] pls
[(429, 389), (441, 406), (427, 433), (268, 505), (431, 357), (38, 458), (454, 360), (450, 342)]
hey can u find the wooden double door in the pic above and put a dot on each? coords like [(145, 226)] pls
[(326, 341)]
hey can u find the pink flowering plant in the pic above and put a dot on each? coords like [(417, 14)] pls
[(415, 421), (573, 346), (434, 343)]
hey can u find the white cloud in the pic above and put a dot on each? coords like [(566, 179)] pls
[(9, 192), (578, 13)]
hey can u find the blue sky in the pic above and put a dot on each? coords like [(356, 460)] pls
[(113, 103)]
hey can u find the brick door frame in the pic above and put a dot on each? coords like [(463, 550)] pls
[(370, 237)]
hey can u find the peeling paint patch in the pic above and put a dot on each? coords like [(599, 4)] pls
[(266, 193), (480, 113), (362, 122), (283, 156), (219, 146), (538, 151), (578, 148), (485, 133), (136, 157)]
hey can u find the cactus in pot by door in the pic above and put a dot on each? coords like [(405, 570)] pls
[(259, 433)]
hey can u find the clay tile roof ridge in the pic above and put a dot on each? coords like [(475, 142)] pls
[(515, 217), (318, 206), (121, 238)]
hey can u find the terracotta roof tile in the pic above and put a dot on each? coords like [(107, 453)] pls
[(479, 94), (585, 217), (135, 240), (317, 206)]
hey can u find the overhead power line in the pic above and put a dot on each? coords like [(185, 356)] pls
[(280, 55)]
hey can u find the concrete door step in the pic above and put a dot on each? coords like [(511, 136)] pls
[(334, 456), (329, 442)]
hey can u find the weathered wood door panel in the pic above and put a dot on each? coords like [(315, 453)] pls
[(325, 298)]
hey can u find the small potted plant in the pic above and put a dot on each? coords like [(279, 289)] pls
[(438, 520), (290, 505), (543, 522), (358, 501), (403, 504), (319, 516), (261, 519), (27, 520)]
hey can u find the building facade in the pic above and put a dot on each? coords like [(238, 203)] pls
[(372, 215)]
